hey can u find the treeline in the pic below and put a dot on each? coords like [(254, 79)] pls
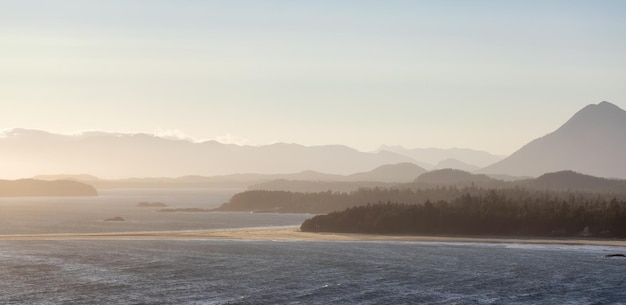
[(492, 212), (326, 202), (561, 181), (301, 186)]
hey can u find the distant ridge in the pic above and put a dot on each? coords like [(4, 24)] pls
[(570, 180), (306, 180), (384, 176), (401, 172), (557, 181), (592, 142), (458, 178), (429, 157), (80, 177), (112, 155), (34, 188), (433, 186), (455, 164)]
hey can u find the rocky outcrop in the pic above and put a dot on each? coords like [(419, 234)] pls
[(116, 218), (151, 204), (193, 210)]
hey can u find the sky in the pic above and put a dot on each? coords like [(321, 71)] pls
[(487, 75)]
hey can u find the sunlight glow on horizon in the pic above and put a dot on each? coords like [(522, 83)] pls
[(481, 75)]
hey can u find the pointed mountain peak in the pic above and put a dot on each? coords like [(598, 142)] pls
[(602, 107), (603, 114), (591, 142), (609, 106)]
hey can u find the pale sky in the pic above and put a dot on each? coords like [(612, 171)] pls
[(488, 75)]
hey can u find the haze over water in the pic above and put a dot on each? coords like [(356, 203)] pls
[(50, 215)]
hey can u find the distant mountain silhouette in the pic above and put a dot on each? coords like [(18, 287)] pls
[(303, 186), (557, 181), (592, 142), (306, 180), (193, 181), (383, 176), (455, 164), (429, 157), (570, 180), (401, 172), (33, 188), (111, 155), (307, 175), (80, 177), (458, 178)]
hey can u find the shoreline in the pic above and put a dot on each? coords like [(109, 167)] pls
[(294, 234)]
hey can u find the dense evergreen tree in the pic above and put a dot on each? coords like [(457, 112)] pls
[(326, 202), (491, 212), (447, 210)]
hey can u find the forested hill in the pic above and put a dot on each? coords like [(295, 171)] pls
[(563, 180), (326, 202), (32, 187), (497, 213)]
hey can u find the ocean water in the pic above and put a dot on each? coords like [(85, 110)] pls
[(266, 272), (153, 271), (46, 215)]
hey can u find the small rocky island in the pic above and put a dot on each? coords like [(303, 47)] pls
[(193, 210), (116, 218), (146, 204)]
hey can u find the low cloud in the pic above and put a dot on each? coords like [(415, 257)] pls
[(175, 134), (232, 139)]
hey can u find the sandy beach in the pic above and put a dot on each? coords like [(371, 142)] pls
[(293, 234)]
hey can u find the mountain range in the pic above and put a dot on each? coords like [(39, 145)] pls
[(114, 155), (592, 142), (380, 176), (120, 155), (557, 181), (433, 158)]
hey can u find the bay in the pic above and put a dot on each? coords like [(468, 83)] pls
[(49, 215)]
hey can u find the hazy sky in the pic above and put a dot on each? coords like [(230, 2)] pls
[(488, 75)]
